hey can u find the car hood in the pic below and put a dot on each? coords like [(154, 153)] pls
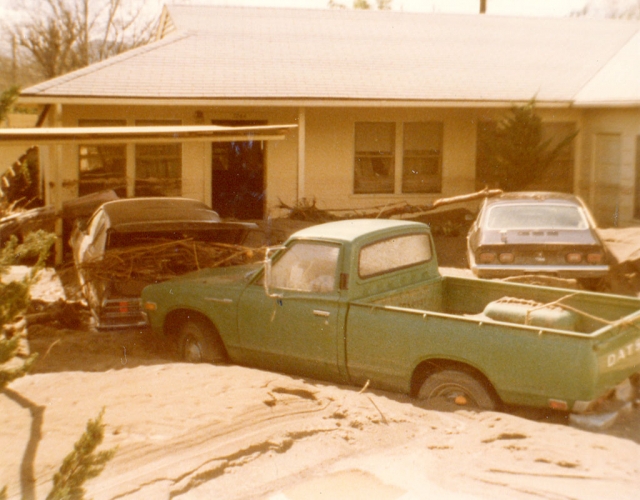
[(538, 237), (219, 275)]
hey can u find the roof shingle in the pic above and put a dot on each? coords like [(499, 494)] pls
[(265, 53)]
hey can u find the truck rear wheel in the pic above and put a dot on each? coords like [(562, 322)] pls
[(453, 389), (198, 342)]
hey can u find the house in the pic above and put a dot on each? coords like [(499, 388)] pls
[(389, 107)]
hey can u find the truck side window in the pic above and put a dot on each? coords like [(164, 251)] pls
[(307, 267), (395, 253)]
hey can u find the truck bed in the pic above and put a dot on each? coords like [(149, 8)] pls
[(470, 297)]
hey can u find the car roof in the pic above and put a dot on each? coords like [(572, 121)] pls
[(157, 209), (534, 196)]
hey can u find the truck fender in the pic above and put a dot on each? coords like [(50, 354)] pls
[(429, 367)]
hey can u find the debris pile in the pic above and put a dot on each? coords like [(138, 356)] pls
[(165, 259), (308, 211)]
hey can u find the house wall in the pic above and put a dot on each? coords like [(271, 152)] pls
[(326, 175), (610, 157), (330, 154), (10, 154)]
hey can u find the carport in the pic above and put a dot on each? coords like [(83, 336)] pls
[(51, 140)]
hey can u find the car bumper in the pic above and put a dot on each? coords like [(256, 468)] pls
[(506, 270), (120, 313)]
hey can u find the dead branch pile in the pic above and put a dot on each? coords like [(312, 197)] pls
[(308, 211), (164, 259)]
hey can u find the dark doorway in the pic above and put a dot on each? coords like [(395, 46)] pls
[(237, 175)]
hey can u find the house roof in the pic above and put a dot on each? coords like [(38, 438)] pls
[(215, 53)]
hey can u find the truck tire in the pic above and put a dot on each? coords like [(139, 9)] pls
[(453, 389), (198, 342)]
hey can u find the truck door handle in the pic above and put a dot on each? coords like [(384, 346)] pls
[(324, 314)]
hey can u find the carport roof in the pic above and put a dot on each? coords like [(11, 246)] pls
[(236, 54)]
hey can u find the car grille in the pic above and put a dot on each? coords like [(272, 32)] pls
[(119, 313)]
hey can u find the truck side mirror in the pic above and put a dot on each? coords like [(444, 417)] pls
[(267, 271)]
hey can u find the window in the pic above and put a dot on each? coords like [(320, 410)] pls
[(102, 166), (374, 160), (392, 254), (307, 267), (536, 216), (158, 166), (422, 157)]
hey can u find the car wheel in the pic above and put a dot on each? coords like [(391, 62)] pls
[(452, 390), (199, 342)]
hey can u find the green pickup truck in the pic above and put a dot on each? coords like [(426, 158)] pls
[(363, 301)]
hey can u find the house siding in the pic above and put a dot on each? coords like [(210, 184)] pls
[(625, 125), (327, 177)]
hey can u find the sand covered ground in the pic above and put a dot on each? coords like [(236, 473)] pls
[(232, 432)]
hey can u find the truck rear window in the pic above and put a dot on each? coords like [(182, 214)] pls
[(395, 253)]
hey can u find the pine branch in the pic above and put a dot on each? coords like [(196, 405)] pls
[(82, 464)]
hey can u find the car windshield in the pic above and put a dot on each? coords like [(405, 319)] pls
[(536, 216)]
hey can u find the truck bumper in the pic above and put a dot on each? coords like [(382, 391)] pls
[(488, 271), (604, 411)]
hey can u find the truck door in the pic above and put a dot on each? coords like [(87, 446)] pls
[(295, 330)]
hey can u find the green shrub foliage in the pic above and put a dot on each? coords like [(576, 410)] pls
[(82, 464)]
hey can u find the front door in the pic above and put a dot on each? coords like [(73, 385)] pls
[(237, 176), (296, 329)]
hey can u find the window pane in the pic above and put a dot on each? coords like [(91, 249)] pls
[(102, 166), (422, 158), (158, 166), (395, 253), (374, 157), (307, 267), (536, 217)]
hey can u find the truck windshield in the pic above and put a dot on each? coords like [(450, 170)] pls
[(307, 267), (394, 253)]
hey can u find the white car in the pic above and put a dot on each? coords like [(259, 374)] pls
[(546, 233)]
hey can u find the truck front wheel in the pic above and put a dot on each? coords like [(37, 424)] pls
[(198, 342), (453, 389)]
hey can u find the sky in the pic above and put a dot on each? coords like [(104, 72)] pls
[(542, 8)]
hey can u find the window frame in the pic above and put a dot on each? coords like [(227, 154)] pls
[(361, 158), (397, 158), (433, 182), (168, 185), (106, 180)]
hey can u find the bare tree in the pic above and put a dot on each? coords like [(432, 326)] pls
[(70, 34), (362, 5), (613, 9)]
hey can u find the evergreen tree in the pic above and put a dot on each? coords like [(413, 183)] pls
[(514, 153)]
